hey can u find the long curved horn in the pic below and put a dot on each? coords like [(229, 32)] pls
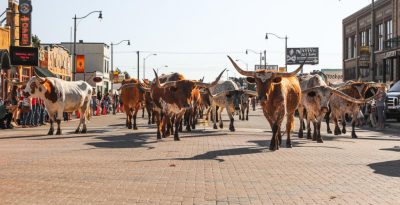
[(291, 74), (348, 98), (251, 93), (220, 94), (157, 79), (208, 85), (238, 69), (168, 84)]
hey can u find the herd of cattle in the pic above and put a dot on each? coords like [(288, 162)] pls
[(171, 100)]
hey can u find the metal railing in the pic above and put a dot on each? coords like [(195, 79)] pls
[(392, 43)]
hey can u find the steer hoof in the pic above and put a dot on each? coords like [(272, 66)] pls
[(319, 140), (221, 126), (308, 135), (176, 137), (301, 134), (232, 129), (129, 126), (135, 127), (344, 131), (58, 132), (84, 131), (289, 145), (50, 132), (247, 118), (353, 135), (329, 131), (215, 126), (77, 131), (158, 135)]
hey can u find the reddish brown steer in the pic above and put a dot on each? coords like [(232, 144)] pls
[(173, 98), (280, 95)]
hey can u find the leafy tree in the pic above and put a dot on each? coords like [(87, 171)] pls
[(35, 41)]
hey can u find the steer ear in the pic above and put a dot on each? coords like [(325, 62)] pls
[(251, 80)]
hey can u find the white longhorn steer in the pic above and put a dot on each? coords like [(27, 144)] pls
[(61, 96)]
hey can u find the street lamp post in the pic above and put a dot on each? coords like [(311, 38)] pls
[(144, 64), (165, 66), (112, 59), (247, 65), (266, 37), (74, 50), (247, 52), (372, 51)]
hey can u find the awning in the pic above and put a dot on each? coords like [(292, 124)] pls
[(43, 72)]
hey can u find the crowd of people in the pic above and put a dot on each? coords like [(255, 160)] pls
[(20, 111)]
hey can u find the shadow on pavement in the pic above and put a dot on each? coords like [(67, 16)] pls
[(389, 168), (129, 140), (23, 136), (391, 149)]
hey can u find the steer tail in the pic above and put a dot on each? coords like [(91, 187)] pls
[(88, 115)]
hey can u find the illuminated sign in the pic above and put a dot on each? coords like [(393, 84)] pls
[(26, 56), (25, 22)]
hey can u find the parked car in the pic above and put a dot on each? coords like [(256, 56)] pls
[(393, 102)]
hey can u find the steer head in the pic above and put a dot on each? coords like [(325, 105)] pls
[(179, 92), (41, 88), (264, 79)]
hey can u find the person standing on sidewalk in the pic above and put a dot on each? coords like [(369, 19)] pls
[(380, 98), (26, 111), (34, 113)]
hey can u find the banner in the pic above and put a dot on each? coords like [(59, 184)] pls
[(25, 22), (80, 63), (26, 56)]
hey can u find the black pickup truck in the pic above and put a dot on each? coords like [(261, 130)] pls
[(393, 102)]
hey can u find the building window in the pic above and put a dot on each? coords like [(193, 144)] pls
[(363, 38), (380, 37), (369, 37), (351, 47), (389, 32)]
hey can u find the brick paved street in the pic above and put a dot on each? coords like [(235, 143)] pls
[(114, 165)]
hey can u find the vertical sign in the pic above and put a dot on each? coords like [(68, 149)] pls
[(25, 22), (80, 63)]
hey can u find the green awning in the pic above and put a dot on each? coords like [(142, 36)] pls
[(43, 72)]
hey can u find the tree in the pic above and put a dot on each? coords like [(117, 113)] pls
[(35, 41)]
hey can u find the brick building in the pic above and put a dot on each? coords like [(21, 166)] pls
[(56, 59), (359, 49)]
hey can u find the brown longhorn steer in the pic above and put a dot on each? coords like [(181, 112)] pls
[(132, 95), (280, 95), (173, 98)]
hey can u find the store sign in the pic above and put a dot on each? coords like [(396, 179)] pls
[(296, 56), (25, 22), (26, 56), (80, 63), (364, 59), (266, 67)]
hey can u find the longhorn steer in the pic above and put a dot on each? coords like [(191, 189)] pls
[(339, 107), (132, 94), (61, 96), (244, 107), (230, 100), (173, 98), (280, 95), (316, 101)]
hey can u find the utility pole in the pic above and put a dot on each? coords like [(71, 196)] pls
[(265, 59), (372, 46), (138, 60)]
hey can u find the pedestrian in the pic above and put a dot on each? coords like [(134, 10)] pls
[(5, 115), (26, 111), (34, 117), (380, 98)]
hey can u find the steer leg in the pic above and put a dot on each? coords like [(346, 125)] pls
[(231, 126), (344, 124), (158, 122), (319, 138), (308, 128), (273, 146), (221, 124), (314, 138), (178, 118), (135, 115), (247, 112), (289, 127), (188, 115), (301, 118), (214, 110), (59, 116), (327, 118), (51, 130)]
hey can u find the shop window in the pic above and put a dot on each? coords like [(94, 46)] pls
[(380, 37)]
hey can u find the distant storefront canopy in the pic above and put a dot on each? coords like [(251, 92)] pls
[(42, 72)]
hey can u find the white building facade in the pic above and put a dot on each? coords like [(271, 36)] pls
[(97, 63)]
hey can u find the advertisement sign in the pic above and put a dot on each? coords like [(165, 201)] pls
[(364, 59), (80, 63), (296, 56), (26, 56), (25, 22), (266, 67)]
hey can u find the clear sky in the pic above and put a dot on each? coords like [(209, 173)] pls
[(194, 37)]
